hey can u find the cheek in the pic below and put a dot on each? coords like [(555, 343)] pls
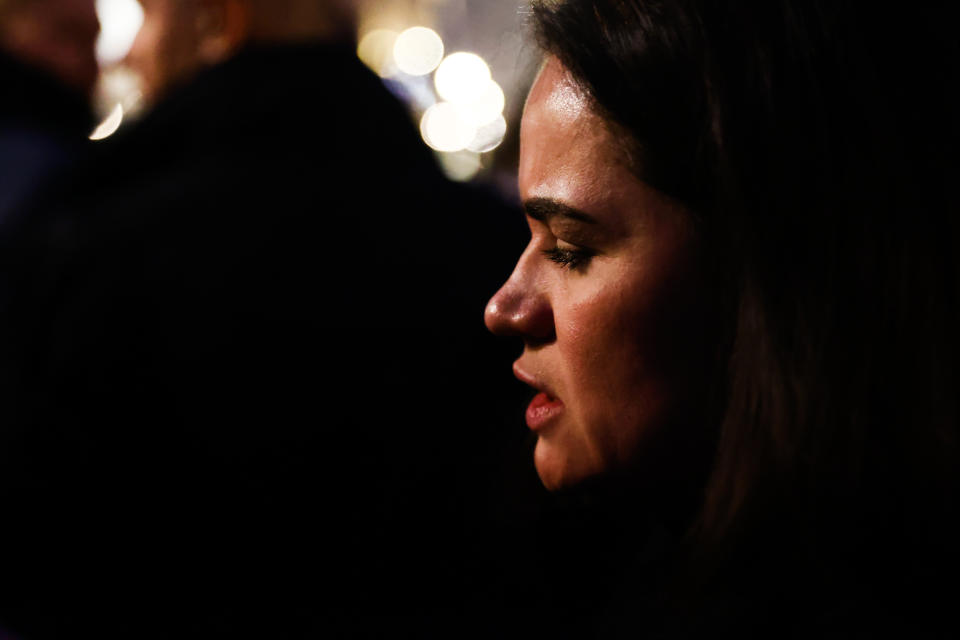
[(602, 328), (590, 339), (615, 393)]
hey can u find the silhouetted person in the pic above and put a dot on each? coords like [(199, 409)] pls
[(253, 394)]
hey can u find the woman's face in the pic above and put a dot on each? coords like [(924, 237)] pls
[(606, 296)]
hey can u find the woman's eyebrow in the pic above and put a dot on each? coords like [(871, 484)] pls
[(544, 209)]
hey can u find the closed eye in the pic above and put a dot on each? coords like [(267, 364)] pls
[(569, 258)]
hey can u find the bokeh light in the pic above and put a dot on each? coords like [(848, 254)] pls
[(120, 20), (110, 125), (487, 107), (488, 137), (459, 104), (460, 165), (444, 128), (418, 51), (462, 78), (376, 51)]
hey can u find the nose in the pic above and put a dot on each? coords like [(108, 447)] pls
[(521, 307)]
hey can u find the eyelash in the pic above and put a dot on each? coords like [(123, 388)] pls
[(569, 258)]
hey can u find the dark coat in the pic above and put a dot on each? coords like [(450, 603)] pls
[(250, 387), (43, 131)]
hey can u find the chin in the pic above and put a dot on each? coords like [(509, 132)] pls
[(558, 469)]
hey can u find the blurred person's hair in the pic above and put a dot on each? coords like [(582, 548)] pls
[(302, 19), (183, 38), (6, 6), (55, 36), (815, 143)]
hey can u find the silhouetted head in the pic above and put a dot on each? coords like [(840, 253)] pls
[(180, 37), (57, 36)]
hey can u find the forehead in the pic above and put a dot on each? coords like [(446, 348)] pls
[(564, 144), (555, 95)]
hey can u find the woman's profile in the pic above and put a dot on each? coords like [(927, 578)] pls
[(740, 296)]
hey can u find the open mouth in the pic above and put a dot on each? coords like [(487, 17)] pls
[(542, 409)]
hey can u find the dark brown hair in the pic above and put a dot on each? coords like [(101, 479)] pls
[(816, 144)]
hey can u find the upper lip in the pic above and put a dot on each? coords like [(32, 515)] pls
[(531, 380)]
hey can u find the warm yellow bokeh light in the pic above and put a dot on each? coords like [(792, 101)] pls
[(487, 107), (460, 166), (376, 51), (462, 78), (418, 51), (110, 125), (489, 136), (444, 128), (120, 20)]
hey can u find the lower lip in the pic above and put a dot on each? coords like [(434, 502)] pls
[(542, 409)]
